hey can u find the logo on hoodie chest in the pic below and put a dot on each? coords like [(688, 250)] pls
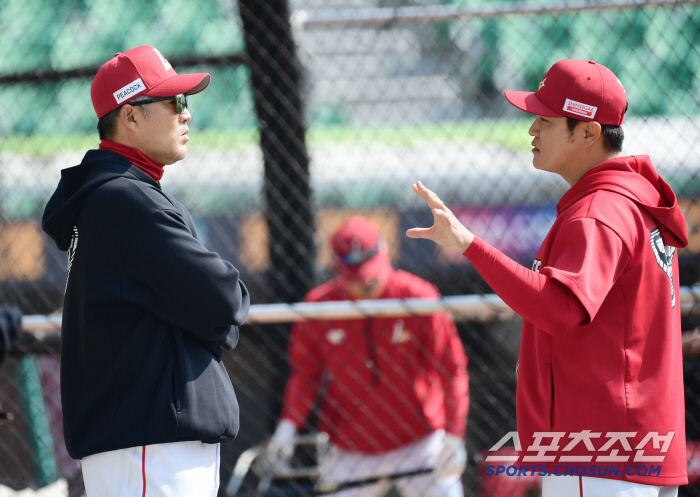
[(536, 265), (664, 258), (71, 253), (335, 336), (400, 334)]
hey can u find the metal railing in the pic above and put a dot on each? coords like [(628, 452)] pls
[(462, 307)]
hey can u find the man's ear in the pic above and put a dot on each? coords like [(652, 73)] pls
[(590, 131), (128, 117)]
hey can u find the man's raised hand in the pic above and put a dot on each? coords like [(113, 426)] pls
[(446, 229)]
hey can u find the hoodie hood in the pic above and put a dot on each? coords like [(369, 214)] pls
[(636, 178), (97, 168)]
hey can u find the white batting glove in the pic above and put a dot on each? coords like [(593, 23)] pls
[(280, 448), (452, 459)]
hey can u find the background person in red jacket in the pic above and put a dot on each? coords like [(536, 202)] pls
[(600, 353), (394, 391)]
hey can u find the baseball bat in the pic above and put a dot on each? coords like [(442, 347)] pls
[(328, 488), (241, 469)]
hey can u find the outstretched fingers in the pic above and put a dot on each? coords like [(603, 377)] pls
[(438, 209), (419, 232), (429, 196), (446, 229)]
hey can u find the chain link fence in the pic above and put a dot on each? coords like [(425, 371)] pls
[(319, 110)]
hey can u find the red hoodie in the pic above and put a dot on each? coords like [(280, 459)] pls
[(386, 382), (601, 339)]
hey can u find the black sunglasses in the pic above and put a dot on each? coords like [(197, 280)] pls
[(180, 102)]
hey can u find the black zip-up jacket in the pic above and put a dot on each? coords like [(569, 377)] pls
[(147, 312)]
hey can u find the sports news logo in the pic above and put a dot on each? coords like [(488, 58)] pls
[(579, 108), (559, 451), (129, 91), (556, 456)]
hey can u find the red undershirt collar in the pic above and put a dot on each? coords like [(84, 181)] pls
[(136, 157)]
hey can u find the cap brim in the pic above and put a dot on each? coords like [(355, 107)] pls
[(376, 267), (528, 101), (181, 83)]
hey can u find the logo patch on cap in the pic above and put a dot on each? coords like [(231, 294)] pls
[(623, 88), (128, 91), (166, 64), (579, 108)]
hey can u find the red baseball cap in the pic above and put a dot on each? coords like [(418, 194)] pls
[(140, 71), (581, 89), (359, 251)]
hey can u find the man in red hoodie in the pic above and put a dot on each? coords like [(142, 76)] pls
[(394, 391), (600, 382)]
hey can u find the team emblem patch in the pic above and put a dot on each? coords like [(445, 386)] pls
[(664, 258), (623, 88), (400, 334), (71, 253), (166, 64), (536, 265), (335, 336)]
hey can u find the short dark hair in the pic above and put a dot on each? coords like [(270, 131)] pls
[(613, 136), (107, 124)]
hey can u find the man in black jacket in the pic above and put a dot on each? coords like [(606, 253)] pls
[(148, 309)]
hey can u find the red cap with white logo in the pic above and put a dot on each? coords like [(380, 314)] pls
[(581, 89), (140, 71)]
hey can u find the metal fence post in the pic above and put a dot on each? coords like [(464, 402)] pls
[(275, 79)]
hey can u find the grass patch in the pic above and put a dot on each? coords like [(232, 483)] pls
[(45, 146), (511, 134)]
